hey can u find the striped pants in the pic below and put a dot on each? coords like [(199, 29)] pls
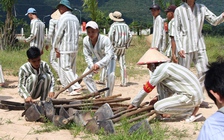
[(177, 104), (200, 61), (53, 60), (67, 70), (120, 54), (1, 75), (110, 78), (38, 85)]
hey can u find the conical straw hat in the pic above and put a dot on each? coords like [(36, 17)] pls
[(56, 15), (152, 56)]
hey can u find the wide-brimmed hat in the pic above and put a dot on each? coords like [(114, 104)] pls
[(31, 11), (116, 16), (152, 56), (155, 6), (56, 15), (65, 3), (171, 8), (92, 24)]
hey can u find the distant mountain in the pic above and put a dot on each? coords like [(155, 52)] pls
[(132, 10)]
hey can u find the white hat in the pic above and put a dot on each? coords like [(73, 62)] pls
[(152, 56), (92, 24), (116, 16), (30, 10), (56, 15)]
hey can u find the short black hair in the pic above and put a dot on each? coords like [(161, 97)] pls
[(33, 52), (214, 79)]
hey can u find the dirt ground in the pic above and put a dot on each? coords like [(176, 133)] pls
[(13, 126)]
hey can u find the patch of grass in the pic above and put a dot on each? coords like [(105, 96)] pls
[(7, 137), (8, 121), (45, 127)]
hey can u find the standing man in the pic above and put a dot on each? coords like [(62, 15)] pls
[(51, 35), (35, 77), (99, 53), (158, 39), (66, 46), (189, 19), (120, 37), (37, 27), (171, 49)]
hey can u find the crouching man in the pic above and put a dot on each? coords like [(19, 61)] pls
[(179, 91), (35, 77)]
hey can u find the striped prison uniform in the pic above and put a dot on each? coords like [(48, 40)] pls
[(168, 52), (51, 36), (101, 54), (189, 38), (2, 80), (120, 37), (36, 37), (35, 83), (158, 39), (66, 41), (183, 91)]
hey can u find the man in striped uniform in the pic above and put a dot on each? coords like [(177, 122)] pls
[(189, 19), (2, 80), (182, 89), (35, 77), (120, 37), (51, 35), (37, 27), (99, 53), (171, 49), (158, 40), (66, 46)]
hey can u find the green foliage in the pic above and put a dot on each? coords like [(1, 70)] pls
[(6, 4)]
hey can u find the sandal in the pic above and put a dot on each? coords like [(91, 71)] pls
[(193, 118)]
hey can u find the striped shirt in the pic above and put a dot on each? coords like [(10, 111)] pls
[(120, 35), (158, 34), (27, 70), (52, 27), (178, 79), (100, 54), (36, 37), (188, 26), (171, 34), (67, 35)]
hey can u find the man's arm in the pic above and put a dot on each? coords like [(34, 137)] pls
[(22, 88), (33, 33)]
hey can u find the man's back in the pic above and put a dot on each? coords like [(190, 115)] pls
[(119, 34)]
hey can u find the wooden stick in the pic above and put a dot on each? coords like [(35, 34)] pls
[(79, 78), (91, 104)]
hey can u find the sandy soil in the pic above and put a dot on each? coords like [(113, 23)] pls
[(13, 126)]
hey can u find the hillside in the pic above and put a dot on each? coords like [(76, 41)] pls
[(132, 10)]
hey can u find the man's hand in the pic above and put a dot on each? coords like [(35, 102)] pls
[(29, 99), (154, 100), (57, 53), (174, 58), (130, 106), (182, 53), (95, 68), (47, 47), (51, 94)]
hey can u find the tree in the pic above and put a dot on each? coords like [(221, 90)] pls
[(91, 7), (8, 36)]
